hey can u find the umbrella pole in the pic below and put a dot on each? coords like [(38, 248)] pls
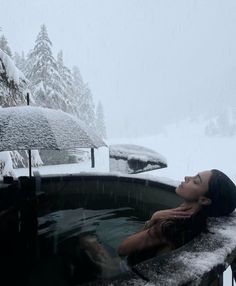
[(27, 98), (92, 158), (29, 151), (30, 167)]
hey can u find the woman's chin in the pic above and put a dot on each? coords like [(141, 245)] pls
[(177, 190)]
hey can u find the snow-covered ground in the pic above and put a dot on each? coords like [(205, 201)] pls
[(101, 165), (187, 149)]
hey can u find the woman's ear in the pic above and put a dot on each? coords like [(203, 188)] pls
[(204, 201)]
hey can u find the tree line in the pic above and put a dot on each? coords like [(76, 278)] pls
[(52, 84)]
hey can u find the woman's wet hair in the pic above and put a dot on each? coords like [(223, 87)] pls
[(222, 193)]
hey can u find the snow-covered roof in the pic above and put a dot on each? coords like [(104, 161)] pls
[(12, 72), (130, 158), (132, 151)]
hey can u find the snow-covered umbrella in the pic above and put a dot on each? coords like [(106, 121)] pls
[(30, 127)]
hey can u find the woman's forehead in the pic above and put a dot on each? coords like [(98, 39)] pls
[(205, 176)]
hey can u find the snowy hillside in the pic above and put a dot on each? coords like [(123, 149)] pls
[(189, 150)]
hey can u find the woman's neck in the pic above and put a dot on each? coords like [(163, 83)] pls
[(192, 207)]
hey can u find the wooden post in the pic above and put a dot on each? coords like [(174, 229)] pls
[(92, 158)]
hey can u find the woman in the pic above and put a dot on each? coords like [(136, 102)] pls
[(209, 193)]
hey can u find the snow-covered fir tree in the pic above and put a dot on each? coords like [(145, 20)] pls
[(4, 46), (77, 81), (87, 107), (53, 84), (83, 98), (20, 61), (76, 91), (66, 81), (100, 123), (41, 70), (12, 82)]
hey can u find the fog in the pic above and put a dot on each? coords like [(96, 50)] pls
[(149, 62)]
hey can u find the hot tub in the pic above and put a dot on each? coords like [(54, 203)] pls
[(41, 221)]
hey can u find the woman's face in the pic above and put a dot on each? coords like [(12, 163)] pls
[(194, 187)]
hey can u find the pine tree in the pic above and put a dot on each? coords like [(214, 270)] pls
[(20, 61), (87, 107), (42, 72), (100, 123), (76, 91), (77, 80), (12, 82), (4, 46), (83, 99), (66, 84)]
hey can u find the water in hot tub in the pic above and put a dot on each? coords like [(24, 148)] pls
[(74, 239)]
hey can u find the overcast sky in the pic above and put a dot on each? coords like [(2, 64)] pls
[(149, 62)]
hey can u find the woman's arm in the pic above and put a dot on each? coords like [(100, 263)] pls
[(151, 235), (146, 239), (163, 215)]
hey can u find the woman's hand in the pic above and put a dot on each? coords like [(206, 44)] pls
[(177, 213), (181, 212)]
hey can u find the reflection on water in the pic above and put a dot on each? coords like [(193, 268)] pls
[(75, 243), (110, 225)]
